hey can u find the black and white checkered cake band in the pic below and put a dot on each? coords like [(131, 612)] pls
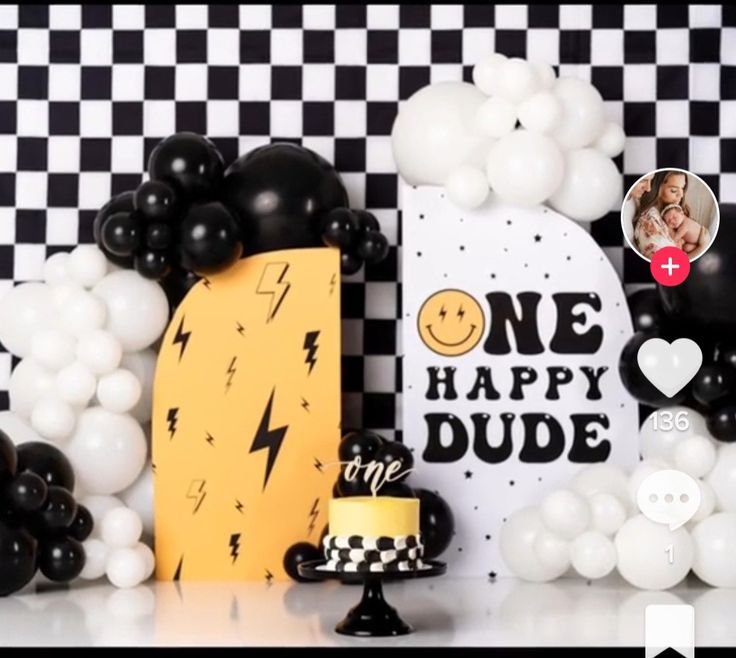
[(370, 556), (332, 542), (373, 567)]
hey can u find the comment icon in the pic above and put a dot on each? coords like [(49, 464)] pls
[(669, 497)]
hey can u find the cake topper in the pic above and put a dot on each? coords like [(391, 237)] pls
[(375, 473)]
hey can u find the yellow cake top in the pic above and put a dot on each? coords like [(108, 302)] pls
[(374, 516)]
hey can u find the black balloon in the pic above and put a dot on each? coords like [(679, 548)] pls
[(634, 380), (152, 264), (350, 263), (61, 559), (120, 203), (340, 228), (436, 523), (46, 461), (713, 384), (373, 247), (190, 162), (706, 298), (362, 444), (177, 284), (646, 310), (121, 234), (722, 423), (82, 525), (155, 200), (57, 513), (209, 239), (27, 492), (298, 554), (8, 458), (367, 221), (726, 354), (394, 451), (336, 490), (17, 559), (355, 487), (279, 194), (159, 236)]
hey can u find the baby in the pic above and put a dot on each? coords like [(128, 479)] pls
[(685, 231)]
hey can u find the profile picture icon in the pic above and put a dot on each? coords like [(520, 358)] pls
[(670, 208)]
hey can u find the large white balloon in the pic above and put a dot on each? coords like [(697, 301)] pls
[(137, 309), (518, 537), (139, 497), (107, 451), (583, 113), (590, 186), (723, 478), (52, 348), (592, 554), (87, 265), (643, 553), (486, 72), (24, 310), (143, 366), (524, 167), (565, 513), (17, 429), (552, 551), (660, 443), (29, 382), (540, 113), (715, 544), (435, 132)]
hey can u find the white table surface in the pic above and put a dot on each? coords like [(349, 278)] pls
[(444, 611)]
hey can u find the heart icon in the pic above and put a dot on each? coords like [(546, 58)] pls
[(667, 366)]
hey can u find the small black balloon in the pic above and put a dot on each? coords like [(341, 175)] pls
[(394, 451), (8, 458), (713, 384), (436, 523), (350, 263), (209, 239), (58, 511), (120, 203), (46, 461), (397, 490), (121, 234), (155, 200), (82, 525), (340, 228), (298, 554), (152, 264), (177, 284), (336, 490), (190, 162), (646, 310), (367, 221), (355, 487), (363, 444), (727, 356), (17, 559), (61, 559), (159, 236), (27, 492), (373, 247), (722, 423)]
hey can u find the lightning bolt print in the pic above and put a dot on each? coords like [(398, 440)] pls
[(333, 282), (311, 347), (240, 328), (269, 439), (231, 370), (238, 506), (197, 493), (313, 516), (461, 313), (305, 405), (318, 464), (181, 338), (269, 577), (206, 283), (443, 312), (210, 439), (172, 417), (272, 283), (234, 546)]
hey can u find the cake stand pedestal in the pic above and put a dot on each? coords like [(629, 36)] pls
[(373, 616)]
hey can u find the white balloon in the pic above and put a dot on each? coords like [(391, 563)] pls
[(435, 132), (53, 418), (611, 141), (55, 268), (486, 72), (121, 528), (707, 502), (76, 384), (137, 308), (52, 348), (602, 478), (592, 554), (545, 74), (524, 167), (607, 512), (715, 542), (119, 391), (126, 567), (723, 478), (100, 351), (552, 551), (107, 451), (467, 187), (643, 555), (642, 471), (540, 113), (565, 513), (517, 80), (81, 312), (24, 310), (29, 382), (148, 557), (98, 506), (695, 455), (87, 265), (496, 117), (518, 536), (660, 443), (95, 564), (143, 366), (139, 497), (62, 292), (583, 113), (17, 429), (590, 186)]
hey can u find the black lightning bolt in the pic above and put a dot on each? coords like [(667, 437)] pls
[(310, 345), (210, 439), (313, 516), (238, 506), (172, 417), (234, 545), (267, 438), (272, 283), (177, 573), (240, 329), (207, 283), (461, 313), (269, 576), (443, 313), (231, 370), (318, 464), (181, 338), (333, 281), (153, 468), (305, 405), (198, 495)]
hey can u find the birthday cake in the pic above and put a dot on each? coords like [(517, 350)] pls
[(373, 534)]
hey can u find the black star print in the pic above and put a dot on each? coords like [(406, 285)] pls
[(508, 222), (569, 258), (546, 276), (537, 238), (468, 475), (511, 483), (488, 538), (492, 575)]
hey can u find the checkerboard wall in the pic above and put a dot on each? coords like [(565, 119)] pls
[(86, 92)]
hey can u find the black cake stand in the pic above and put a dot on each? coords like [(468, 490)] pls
[(372, 617)]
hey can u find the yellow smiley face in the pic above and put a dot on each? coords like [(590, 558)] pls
[(451, 322)]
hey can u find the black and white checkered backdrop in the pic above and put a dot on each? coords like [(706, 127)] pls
[(86, 92)]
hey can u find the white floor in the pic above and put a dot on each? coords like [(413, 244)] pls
[(444, 611)]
